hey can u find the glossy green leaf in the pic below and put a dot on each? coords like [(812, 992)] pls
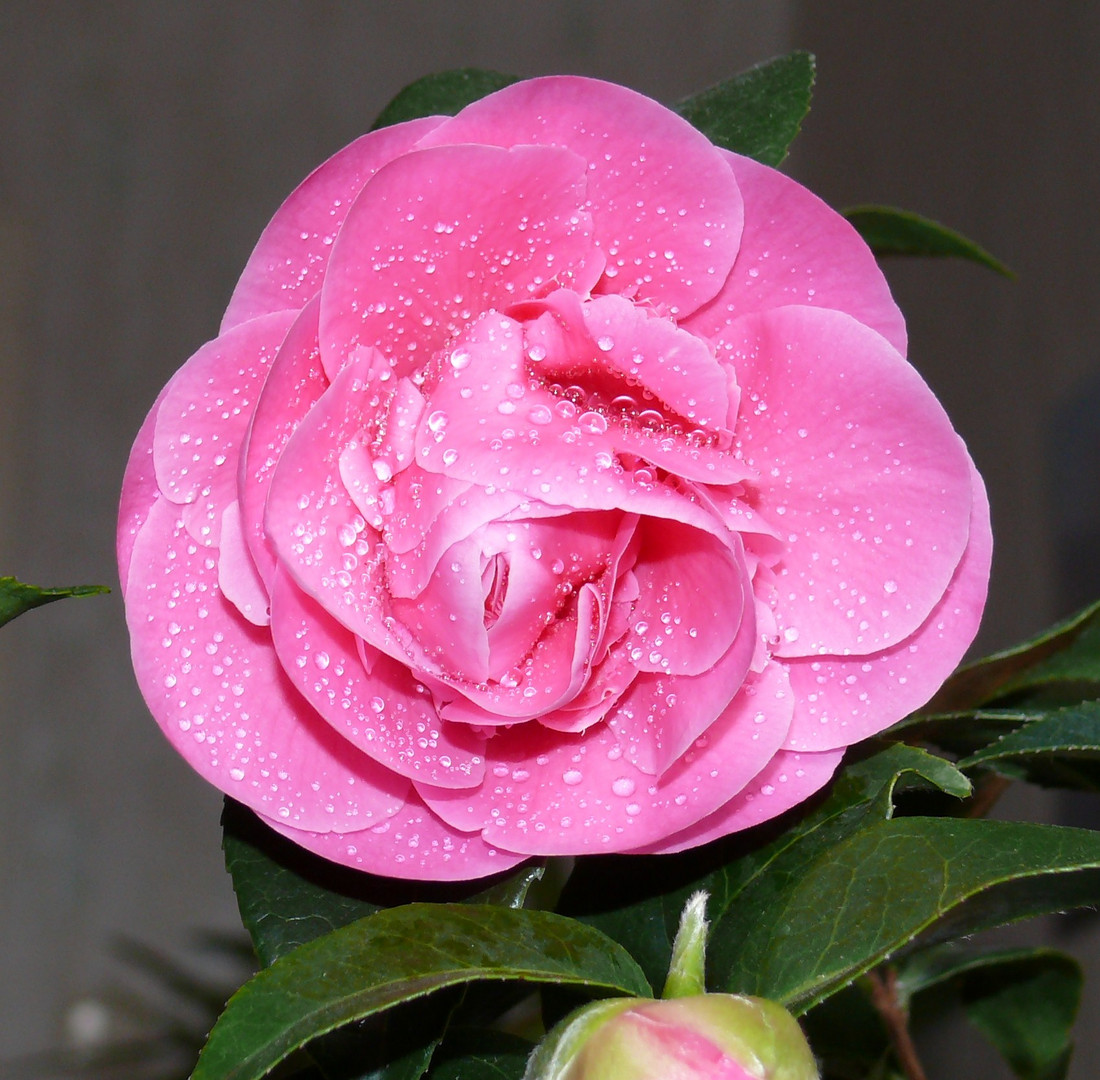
[(17, 597), (749, 896), (442, 94), (287, 896), (872, 894), (757, 113), (889, 231), (1057, 749), (1068, 651), (398, 955), (742, 885)]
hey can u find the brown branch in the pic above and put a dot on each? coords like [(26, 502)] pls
[(884, 997)]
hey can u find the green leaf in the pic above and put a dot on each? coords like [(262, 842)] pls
[(442, 94), (1023, 1000), (1057, 749), (481, 1055), (646, 917), (287, 896), (17, 597), (398, 955), (757, 113), (889, 231), (1026, 1007), (1069, 651), (872, 894), (749, 895)]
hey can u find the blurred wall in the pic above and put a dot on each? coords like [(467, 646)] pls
[(144, 145)]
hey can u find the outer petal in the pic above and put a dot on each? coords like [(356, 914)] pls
[(859, 468), (787, 780), (213, 683), (797, 250), (440, 235), (383, 711), (840, 700), (665, 205), (554, 794), (412, 844), (289, 262), (139, 491), (293, 386), (203, 419)]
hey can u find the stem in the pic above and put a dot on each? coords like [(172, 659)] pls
[(885, 999)]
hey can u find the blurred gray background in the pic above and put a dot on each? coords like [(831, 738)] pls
[(144, 145)]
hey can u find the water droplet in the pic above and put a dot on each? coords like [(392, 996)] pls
[(623, 787), (540, 414), (322, 660), (450, 456), (382, 470), (437, 421), (605, 343), (890, 586), (460, 358), (572, 777), (592, 422)]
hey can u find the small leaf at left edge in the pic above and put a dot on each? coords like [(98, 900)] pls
[(941, 878), (442, 94), (17, 597), (757, 113), (398, 955), (889, 231)]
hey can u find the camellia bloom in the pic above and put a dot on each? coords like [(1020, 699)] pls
[(556, 484)]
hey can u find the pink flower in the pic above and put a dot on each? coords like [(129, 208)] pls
[(556, 484)]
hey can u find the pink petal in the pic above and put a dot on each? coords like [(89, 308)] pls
[(840, 700), (447, 618), (665, 206), (550, 676), (316, 529), (661, 715), (139, 491), (659, 392), (797, 250), (550, 794), (692, 598), (555, 556), (289, 262), (203, 419), (432, 512), (412, 844), (861, 470), (786, 781), (213, 683), (238, 578), (381, 711), (293, 386), (441, 235), (500, 431)]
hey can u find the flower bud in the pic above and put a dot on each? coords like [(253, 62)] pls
[(707, 1037)]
